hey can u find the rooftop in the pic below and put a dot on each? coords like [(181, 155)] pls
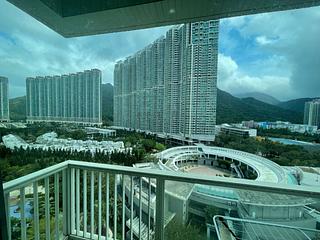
[(51, 141), (232, 228), (267, 170)]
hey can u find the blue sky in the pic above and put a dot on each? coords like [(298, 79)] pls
[(275, 53)]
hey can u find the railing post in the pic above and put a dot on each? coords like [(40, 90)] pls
[(208, 232), (160, 192), (66, 191), (3, 213)]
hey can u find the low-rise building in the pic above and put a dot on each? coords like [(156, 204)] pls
[(185, 201), (12, 141), (51, 141), (300, 128), (101, 131), (236, 130), (249, 124), (12, 125)]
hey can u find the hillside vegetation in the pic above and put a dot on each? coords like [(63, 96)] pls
[(231, 109), (296, 105), (17, 108)]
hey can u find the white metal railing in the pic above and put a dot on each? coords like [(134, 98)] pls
[(236, 227), (82, 187)]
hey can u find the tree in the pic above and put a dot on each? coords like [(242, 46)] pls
[(160, 147), (177, 231), (148, 144), (78, 135)]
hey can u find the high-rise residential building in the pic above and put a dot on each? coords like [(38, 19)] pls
[(170, 86), (68, 98), (312, 113), (4, 99)]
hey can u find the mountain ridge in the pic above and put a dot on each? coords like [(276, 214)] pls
[(262, 97), (296, 105), (231, 109)]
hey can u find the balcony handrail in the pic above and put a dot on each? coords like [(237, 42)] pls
[(70, 172), (305, 191), (33, 177), (235, 183)]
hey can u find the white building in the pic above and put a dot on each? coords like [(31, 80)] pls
[(4, 99), (300, 128), (312, 113), (169, 87), (72, 98), (12, 125), (12, 141), (184, 200), (236, 130), (50, 141), (101, 131)]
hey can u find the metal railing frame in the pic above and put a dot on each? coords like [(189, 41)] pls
[(161, 176), (3, 215), (299, 229)]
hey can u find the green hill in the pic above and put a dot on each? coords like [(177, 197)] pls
[(262, 97), (295, 104), (230, 109), (17, 108)]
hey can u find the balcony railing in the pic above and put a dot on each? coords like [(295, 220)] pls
[(85, 200)]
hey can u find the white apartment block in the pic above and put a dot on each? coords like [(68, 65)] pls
[(170, 86), (4, 100), (68, 98), (312, 113)]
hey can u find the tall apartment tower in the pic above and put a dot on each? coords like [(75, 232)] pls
[(170, 86), (68, 98), (199, 79), (4, 99), (312, 113)]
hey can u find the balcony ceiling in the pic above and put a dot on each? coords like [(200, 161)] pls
[(72, 18)]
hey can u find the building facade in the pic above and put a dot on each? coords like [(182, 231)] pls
[(170, 86), (4, 99), (68, 98), (236, 130), (312, 113), (187, 202)]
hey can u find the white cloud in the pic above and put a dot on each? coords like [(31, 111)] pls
[(287, 47), (28, 48), (263, 40), (235, 81), (297, 42), (284, 62)]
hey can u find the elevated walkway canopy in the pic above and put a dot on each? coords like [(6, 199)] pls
[(72, 18)]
